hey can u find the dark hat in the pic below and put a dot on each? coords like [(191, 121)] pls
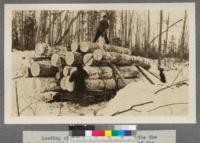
[(105, 16)]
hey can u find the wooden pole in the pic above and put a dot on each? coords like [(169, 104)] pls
[(160, 39), (17, 99)]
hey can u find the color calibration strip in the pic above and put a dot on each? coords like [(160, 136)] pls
[(102, 130), (103, 133)]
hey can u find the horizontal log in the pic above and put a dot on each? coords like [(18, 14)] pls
[(87, 47), (143, 62), (102, 72), (95, 84), (43, 70), (112, 57), (120, 50), (106, 72), (128, 71)]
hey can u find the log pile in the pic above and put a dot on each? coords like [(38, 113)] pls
[(52, 67)]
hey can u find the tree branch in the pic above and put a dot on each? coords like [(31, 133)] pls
[(164, 31), (131, 108), (178, 83), (165, 106)]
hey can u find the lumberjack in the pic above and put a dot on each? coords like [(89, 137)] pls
[(101, 30), (78, 77)]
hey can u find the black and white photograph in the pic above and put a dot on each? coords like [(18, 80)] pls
[(80, 63)]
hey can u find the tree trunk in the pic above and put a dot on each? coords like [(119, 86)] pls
[(160, 39), (182, 45), (43, 70), (73, 58), (112, 57)]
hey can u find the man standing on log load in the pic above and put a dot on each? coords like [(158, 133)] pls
[(101, 30), (78, 77)]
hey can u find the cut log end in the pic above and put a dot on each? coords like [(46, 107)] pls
[(85, 46), (74, 46), (35, 69), (56, 60), (88, 59), (65, 84), (98, 55), (66, 70), (69, 58)]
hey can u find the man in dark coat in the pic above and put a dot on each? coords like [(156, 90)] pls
[(101, 30), (78, 77), (162, 75)]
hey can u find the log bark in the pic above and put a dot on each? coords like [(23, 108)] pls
[(142, 62), (47, 84), (95, 84), (73, 58), (129, 71), (105, 72), (121, 50), (87, 47), (43, 70), (112, 57), (57, 60), (102, 72), (99, 84)]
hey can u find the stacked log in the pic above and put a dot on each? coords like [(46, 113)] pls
[(52, 67), (73, 58), (44, 50), (112, 57), (43, 70)]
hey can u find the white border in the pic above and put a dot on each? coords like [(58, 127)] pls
[(191, 118)]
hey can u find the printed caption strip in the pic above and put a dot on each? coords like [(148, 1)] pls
[(86, 134)]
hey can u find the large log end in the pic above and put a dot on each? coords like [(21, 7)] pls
[(35, 69), (98, 55), (56, 60), (69, 58), (88, 59)]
